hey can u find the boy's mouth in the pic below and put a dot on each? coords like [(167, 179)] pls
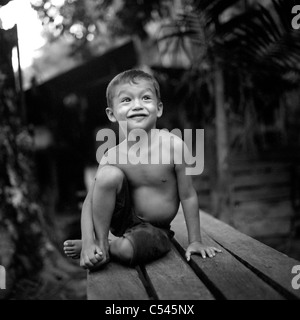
[(138, 116)]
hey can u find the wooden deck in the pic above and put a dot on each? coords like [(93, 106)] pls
[(245, 270)]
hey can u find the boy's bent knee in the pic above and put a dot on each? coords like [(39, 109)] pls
[(109, 176), (122, 250)]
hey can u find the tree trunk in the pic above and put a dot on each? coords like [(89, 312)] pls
[(25, 246)]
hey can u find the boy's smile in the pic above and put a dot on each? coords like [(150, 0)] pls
[(137, 104)]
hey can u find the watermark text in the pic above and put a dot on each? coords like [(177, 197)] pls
[(296, 279), (2, 278), (296, 18), (158, 147)]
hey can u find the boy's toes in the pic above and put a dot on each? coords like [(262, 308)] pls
[(99, 257), (69, 244), (70, 250), (70, 253)]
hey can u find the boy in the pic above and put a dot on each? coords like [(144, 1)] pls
[(137, 202)]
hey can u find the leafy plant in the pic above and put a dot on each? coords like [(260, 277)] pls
[(88, 21), (256, 48)]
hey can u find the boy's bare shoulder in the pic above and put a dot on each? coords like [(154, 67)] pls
[(170, 135), (111, 156), (176, 140)]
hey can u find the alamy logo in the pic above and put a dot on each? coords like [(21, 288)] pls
[(147, 150), (296, 279), (2, 278), (296, 19)]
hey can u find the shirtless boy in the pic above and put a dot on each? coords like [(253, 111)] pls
[(137, 202)]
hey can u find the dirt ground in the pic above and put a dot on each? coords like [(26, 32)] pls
[(63, 280), (41, 288)]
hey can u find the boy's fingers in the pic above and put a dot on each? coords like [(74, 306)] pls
[(99, 252), (98, 257), (87, 262), (94, 260), (210, 253), (188, 255), (216, 249)]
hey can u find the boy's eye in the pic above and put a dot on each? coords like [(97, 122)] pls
[(125, 100), (147, 98)]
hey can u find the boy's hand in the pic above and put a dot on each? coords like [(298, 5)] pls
[(200, 248), (91, 256)]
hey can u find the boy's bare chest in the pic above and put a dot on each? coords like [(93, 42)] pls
[(150, 175), (151, 167)]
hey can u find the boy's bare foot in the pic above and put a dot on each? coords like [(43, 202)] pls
[(72, 248)]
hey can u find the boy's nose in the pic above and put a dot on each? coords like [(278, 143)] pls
[(137, 105)]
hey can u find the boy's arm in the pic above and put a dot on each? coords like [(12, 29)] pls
[(87, 228), (189, 201)]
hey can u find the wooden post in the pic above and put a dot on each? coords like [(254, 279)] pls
[(221, 124), (222, 148), (20, 79)]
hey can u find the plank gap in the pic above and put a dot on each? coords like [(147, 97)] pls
[(217, 294), (147, 282)]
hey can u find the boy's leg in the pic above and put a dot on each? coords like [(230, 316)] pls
[(108, 183), (111, 207), (148, 242), (121, 250), (109, 214)]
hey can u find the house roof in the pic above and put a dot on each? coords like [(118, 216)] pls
[(94, 72)]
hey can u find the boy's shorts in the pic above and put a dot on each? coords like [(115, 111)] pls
[(149, 242)]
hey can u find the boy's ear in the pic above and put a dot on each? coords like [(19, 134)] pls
[(110, 114), (160, 109)]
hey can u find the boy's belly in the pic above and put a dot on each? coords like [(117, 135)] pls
[(155, 207)]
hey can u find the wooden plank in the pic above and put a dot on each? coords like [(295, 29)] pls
[(259, 167), (267, 194), (272, 266), (115, 282), (202, 184), (205, 176), (173, 279), (203, 189), (263, 219), (230, 278), (257, 180), (204, 202)]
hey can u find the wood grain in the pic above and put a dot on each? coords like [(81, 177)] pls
[(115, 282), (229, 277), (272, 266), (173, 279)]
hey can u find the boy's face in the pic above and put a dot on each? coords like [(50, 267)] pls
[(137, 105)]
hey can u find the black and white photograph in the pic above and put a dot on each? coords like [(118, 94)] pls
[(149, 153)]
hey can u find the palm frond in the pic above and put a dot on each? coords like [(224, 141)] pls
[(266, 41), (259, 40)]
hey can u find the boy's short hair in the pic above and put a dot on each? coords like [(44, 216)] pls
[(130, 76)]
